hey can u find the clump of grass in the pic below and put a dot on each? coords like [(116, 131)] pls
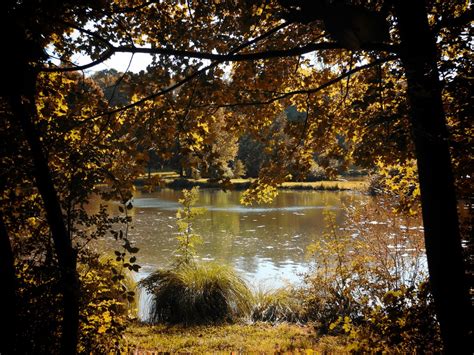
[(275, 306), (197, 294)]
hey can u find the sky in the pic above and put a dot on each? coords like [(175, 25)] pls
[(118, 61)]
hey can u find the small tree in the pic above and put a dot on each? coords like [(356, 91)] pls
[(187, 240)]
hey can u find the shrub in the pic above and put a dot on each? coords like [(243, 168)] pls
[(339, 279), (107, 302), (316, 172), (189, 292), (197, 294), (280, 305), (376, 185), (105, 306), (369, 282), (403, 321)]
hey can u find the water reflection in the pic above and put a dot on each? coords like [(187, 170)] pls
[(266, 243)]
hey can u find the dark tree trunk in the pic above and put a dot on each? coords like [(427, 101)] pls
[(23, 108), (439, 206), (8, 294)]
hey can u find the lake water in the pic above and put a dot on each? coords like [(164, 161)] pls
[(265, 243)]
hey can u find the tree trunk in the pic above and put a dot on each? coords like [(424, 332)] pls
[(8, 295), (439, 206), (24, 109)]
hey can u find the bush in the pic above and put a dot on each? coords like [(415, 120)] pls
[(107, 303), (105, 306), (403, 321), (197, 294), (316, 172), (280, 305), (369, 282), (376, 185)]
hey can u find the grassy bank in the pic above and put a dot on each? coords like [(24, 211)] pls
[(358, 185), (173, 181), (255, 338)]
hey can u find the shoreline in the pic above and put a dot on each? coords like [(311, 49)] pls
[(176, 183)]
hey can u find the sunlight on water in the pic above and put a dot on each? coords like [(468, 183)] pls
[(265, 243)]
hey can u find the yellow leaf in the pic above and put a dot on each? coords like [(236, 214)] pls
[(102, 329)]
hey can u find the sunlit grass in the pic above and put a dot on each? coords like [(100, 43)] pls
[(280, 305), (244, 338)]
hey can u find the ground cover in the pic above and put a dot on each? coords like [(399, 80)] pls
[(254, 338)]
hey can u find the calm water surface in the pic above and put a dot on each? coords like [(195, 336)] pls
[(265, 243)]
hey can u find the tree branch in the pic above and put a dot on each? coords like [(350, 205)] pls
[(232, 55), (190, 77), (103, 57), (87, 32), (277, 53), (281, 96)]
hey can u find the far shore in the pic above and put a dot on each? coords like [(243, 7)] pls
[(173, 181)]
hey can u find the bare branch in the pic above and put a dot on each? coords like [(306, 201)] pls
[(277, 53)]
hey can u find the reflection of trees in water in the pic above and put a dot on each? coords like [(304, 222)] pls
[(249, 264), (266, 236)]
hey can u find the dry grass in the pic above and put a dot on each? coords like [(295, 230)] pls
[(197, 294), (254, 338)]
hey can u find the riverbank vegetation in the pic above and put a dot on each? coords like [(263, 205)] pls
[(367, 290)]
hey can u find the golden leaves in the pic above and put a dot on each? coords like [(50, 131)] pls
[(260, 192), (401, 179)]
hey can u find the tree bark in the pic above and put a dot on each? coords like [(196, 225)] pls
[(23, 107), (439, 205), (8, 295)]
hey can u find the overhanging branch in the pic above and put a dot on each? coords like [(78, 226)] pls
[(192, 76), (249, 103), (281, 96), (232, 56), (102, 58)]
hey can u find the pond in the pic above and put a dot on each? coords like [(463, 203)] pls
[(265, 243)]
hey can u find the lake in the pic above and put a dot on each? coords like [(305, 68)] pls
[(265, 243)]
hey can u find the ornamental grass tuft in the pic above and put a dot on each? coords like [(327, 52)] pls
[(197, 294)]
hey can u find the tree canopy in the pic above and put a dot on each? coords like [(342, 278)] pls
[(380, 82)]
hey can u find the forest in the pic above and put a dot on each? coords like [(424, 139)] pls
[(246, 106)]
